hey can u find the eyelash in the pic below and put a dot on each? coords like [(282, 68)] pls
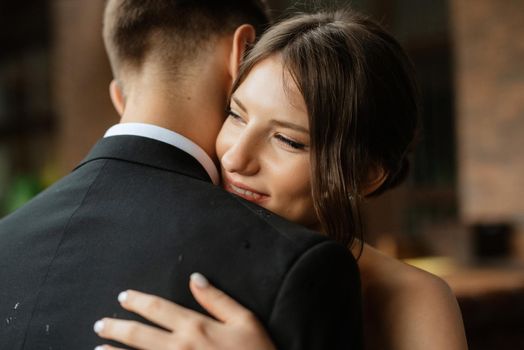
[(230, 113), (285, 140), (291, 143)]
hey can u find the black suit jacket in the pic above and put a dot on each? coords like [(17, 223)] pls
[(141, 214)]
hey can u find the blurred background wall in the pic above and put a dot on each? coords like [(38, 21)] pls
[(460, 214), (489, 81)]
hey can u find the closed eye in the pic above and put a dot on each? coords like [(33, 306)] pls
[(234, 115), (289, 142)]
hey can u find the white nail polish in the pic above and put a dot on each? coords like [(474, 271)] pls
[(99, 326), (122, 297), (99, 348), (199, 280)]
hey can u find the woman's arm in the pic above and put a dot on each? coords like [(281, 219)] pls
[(234, 328)]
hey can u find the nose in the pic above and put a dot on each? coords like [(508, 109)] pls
[(242, 156)]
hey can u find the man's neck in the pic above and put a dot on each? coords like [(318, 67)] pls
[(195, 111)]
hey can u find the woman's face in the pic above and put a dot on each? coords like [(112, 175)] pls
[(264, 144)]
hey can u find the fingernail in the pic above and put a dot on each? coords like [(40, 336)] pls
[(199, 280), (100, 347), (99, 326), (122, 297)]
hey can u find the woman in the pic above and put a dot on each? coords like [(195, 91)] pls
[(323, 114)]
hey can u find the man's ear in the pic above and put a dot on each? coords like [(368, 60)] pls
[(376, 178), (243, 38), (117, 96)]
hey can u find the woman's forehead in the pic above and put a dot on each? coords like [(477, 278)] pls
[(271, 86)]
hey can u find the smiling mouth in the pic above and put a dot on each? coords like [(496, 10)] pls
[(245, 193)]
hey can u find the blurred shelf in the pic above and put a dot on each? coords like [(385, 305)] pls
[(477, 281), (13, 130)]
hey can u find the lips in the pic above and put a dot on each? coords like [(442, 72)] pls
[(244, 191)]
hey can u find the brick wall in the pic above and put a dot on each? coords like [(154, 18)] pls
[(489, 61)]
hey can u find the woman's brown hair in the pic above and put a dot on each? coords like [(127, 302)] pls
[(361, 97)]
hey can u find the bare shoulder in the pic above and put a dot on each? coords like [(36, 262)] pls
[(419, 286), (418, 310)]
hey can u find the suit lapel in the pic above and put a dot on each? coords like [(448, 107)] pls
[(148, 152)]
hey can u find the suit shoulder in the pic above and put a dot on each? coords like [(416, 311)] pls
[(329, 259), (293, 232)]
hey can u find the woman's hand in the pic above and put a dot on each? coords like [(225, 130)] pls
[(236, 328)]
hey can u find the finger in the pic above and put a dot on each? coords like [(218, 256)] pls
[(158, 310), (132, 333), (215, 301)]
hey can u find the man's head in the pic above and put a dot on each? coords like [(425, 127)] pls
[(174, 61), (173, 33)]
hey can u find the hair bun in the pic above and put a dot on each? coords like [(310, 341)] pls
[(395, 177), (400, 175)]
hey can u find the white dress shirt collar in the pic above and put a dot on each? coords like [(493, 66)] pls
[(170, 137)]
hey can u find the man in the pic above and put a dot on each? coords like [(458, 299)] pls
[(143, 211)]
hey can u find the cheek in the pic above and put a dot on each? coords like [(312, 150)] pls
[(293, 185), (298, 205), (297, 184)]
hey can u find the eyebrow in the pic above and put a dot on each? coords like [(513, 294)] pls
[(237, 101), (289, 125), (275, 121)]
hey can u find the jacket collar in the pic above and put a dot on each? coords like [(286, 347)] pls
[(148, 152)]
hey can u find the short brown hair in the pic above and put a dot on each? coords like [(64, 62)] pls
[(173, 29), (362, 100)]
